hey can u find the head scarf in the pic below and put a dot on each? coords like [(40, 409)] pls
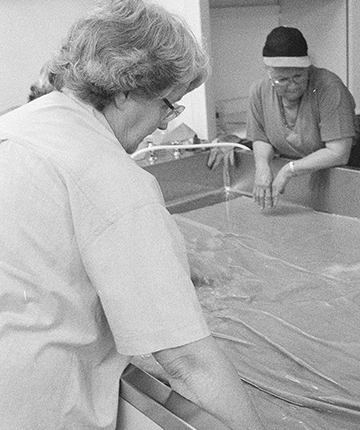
[(286, 47)]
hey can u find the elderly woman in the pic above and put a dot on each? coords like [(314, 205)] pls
[(299, 111), (93, 268)]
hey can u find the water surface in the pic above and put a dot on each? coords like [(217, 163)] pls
[(280, 291)]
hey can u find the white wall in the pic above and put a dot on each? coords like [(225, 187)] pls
[(237, 39), (30, 31), (324, 25)]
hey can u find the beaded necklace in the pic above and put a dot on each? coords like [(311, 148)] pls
[(287, 124)]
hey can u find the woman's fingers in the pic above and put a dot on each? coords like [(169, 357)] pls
[(263, 197), (218, 154)]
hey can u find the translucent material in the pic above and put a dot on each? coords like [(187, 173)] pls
[(280, 291)]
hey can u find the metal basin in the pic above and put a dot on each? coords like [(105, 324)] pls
[(163, 408), (187, 184)]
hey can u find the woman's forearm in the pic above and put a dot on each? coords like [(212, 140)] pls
[(263, 153), (335, 153), (202, 373)]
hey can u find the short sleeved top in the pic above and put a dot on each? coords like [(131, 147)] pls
[(326, 112), (93, 268)]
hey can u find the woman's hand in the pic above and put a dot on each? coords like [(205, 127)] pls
[(266, 190), (262, 192), (278, 186), (220, 153)]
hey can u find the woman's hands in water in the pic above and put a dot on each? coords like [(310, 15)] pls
[(267, 190), (262, 191), (282, 178)]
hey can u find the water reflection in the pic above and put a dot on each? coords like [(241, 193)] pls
[(280, 293)]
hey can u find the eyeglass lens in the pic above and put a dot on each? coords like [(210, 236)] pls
[(286, 81), (174, 111)]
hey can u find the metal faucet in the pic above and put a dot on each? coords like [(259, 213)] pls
[(152, 156), (176, 152)]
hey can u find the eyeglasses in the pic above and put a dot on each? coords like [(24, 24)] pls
[(174, 111), (297, 79)]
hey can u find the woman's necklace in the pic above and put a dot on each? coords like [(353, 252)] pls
[(289, 113)]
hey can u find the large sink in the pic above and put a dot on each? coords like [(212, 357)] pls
[(189, 181), (188, 184)]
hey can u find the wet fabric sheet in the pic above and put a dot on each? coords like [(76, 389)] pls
[(280, 291)]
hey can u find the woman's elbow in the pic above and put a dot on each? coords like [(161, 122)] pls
[(344, 155), (340, 151), (342, 159)]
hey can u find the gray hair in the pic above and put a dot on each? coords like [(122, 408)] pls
[(128, 45)]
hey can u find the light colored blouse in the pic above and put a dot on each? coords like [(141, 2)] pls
[(93, 268), (326, 112)]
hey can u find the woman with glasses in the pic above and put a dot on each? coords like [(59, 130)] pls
[(93, 269), (299, 111)]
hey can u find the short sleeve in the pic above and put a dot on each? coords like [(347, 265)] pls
[(139, 268), (336, 110)]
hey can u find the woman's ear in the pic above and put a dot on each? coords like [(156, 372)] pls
[(120, 99)]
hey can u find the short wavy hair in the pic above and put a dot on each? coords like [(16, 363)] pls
[(128, 45)]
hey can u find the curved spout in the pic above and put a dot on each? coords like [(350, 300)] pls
[(189, 146)]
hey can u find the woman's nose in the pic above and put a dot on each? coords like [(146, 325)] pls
[(292, 84), (163, 126)]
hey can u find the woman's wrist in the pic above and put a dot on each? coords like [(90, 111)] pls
[(292, 168), (262, 163)]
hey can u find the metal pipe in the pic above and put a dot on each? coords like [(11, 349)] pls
[(189, 146)]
